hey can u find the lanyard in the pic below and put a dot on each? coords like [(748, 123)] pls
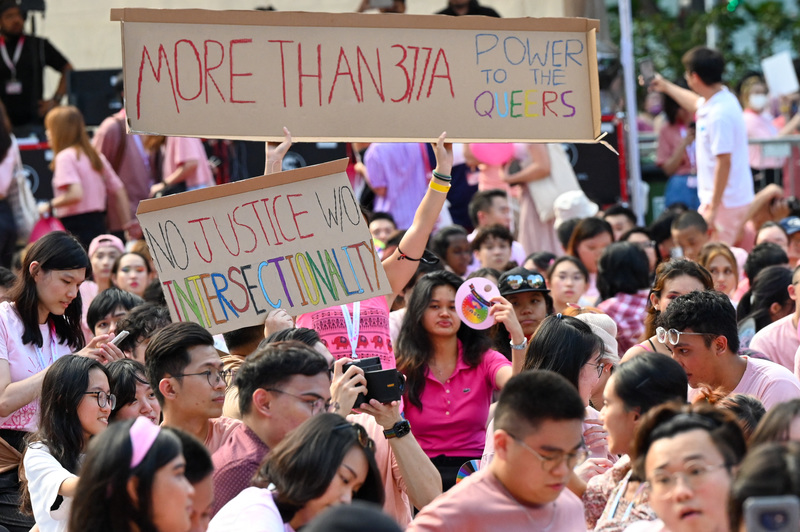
[(622, 489), (12, 65), (353, 325), (53, 346)]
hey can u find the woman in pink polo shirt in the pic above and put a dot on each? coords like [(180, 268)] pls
[(83, 180), (451, 372)]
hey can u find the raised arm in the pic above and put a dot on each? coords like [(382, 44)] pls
[(274, 154), (684, 97), (399, 269)]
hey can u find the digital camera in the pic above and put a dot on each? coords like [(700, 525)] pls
[(385, 385)]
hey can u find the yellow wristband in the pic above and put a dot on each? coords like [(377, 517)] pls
[(439, 187)]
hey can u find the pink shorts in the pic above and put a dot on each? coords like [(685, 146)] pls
[(727, 223)]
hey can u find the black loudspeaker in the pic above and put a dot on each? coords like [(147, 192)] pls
[(95, 93), (300, 155), (598, 168), (36, 158)]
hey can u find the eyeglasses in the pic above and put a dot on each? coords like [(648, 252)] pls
[(599, 366), (214, 377), (361, 434), (662, 484), (104, 399), (674, 335), (316, 405), (644, 246), (551, 462), (517, 281)]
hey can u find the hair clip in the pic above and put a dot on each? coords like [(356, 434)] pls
[(143, 434)]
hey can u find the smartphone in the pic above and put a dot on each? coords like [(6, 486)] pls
[(647, 70), (120, 337), (778, 513)]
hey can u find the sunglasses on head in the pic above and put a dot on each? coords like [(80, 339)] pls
[(361, 434), (533, 281)]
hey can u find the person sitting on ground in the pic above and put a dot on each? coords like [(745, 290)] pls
[(567, 279), (623, 279), (640, 237), (75, 405), (690, 233), (491, 207), (538, 440), (617, 498), (186, 374), (766, 302), (528, 294), (492, 247), (773, 232), (697, 446), (590, 237), (718, 259), (108, 308), (133, 480), (199, 469), (540, 262), (700, 330), (621, 218), (142, 323), (381, 227), (779, 340), (674, 278), (135, 396), (451, 245), (325, 461)]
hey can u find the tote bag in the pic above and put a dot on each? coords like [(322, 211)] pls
[(562, 179)]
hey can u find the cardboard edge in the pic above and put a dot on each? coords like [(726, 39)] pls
[(594, 81), (356, 20), (297, 139), (240, 187)]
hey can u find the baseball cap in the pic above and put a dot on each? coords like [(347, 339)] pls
[(790, 224), (518, 280), (573, 204), (105, 240), (604, 327)]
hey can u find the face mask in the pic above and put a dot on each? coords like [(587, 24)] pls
[(654, 109), (757, 101)]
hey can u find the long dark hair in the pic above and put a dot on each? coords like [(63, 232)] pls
[(414, 347), (768, 287), (60, 429), (623, 268), (306, 461), (54, 251), (586, 229), (648, 380), (562, 344), (102, 501)]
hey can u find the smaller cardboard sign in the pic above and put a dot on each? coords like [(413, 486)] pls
[(296, 240)]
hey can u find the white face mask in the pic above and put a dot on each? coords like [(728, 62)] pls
[(758, 101)]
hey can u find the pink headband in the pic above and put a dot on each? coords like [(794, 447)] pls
[(143, 433)]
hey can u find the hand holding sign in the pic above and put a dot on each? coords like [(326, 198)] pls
[(274, 155), (444, 155)]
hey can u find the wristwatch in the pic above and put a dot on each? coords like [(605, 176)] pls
[(400, 429), (521, 346)]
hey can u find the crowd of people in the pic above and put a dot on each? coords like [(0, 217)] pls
[(635, 378)]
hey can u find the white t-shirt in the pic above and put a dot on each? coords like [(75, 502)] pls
[(721, 129), (253, 510), (24, 361), (45, 476)]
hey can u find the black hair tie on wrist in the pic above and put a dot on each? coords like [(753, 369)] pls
[(426, 258)]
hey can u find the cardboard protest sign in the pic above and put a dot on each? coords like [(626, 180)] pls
[(359, 77), (296, 240)]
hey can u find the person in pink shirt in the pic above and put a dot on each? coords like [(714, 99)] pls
[(700, 330), (182, 161), (779, 340), (84, 183), (187, 376), (451, 372), (538, 441)]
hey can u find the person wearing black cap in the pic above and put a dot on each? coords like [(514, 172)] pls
[(528, 294), (22, 69)]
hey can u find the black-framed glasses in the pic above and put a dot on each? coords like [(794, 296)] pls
[(361, 434), (317, 405), (214, 377), (599, 366), (104, 399), (674, 335), (551, 462), (534, 281)]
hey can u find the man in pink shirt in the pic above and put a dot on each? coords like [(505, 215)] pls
[(538, 440), (779, 340), (700, 331), (187, 376)]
